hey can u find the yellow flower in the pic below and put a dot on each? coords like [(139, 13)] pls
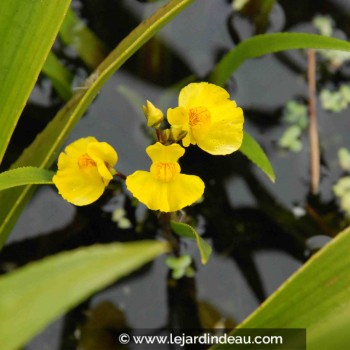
[(153, 114), (164, 188), (211, 119), (84, 170)]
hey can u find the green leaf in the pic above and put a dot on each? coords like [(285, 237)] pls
[(35, 295), (260, 45), (25, 176), (88, 46), (42, 152), (188, 231), (317, 297), (59, 75), (27, 31), (251, 149)]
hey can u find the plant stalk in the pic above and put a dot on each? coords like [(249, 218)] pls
[(313, 130)]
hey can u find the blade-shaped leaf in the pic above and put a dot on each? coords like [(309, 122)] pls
[(88, 46), (251, 149), (317, 297), (260, 45), (27, 31), (188, 231), (42, 151), (59, 75), (36, 294), (25, 176)]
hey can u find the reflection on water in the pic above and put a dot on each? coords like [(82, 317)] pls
[(258, 239)]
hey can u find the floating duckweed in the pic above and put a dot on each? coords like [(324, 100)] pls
[(335, 101), (324, 24), (181, 266), (295, 113), (119, 216), (344, 159), (335, 58)]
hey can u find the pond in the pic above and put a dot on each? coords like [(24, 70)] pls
[(261, 232)]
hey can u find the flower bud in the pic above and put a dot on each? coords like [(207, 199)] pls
[(153, 115)]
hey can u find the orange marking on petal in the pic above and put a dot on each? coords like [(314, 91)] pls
[(165, 171), (85, 161), (199, 116)]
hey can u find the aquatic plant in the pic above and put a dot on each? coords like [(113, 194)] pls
[(33, 296)]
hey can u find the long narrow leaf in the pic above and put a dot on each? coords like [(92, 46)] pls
[(35, 295), (61, 78), (43, 150), (27, 31), (315, 298), (260, 45), (252, 150), (25, 176), (87, 45)]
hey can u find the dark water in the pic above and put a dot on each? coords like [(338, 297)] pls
[(260, 231)]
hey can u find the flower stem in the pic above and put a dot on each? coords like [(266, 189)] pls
[(159, 135), (168, 234), (121, 175), (313, 132)]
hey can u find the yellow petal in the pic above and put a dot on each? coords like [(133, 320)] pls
[(227, 111), (102, 151), (79, 147), (223, 138), (184, 191), (165, 154), (202, 94), (79, 187), (165, 196), (105, 157), (148, 190), (178, 116)]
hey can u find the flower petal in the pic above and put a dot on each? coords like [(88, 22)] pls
[(227, 111), (148, 190), (178, 117), (184, 191), (102, 151), (224, 137), (202, 94), (165, 154), (105, 157), (79, 147), (165, 196), (79, 187)]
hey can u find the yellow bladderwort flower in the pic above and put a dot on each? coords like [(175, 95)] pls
[(164, 188), (84, 170), (211, 119)]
